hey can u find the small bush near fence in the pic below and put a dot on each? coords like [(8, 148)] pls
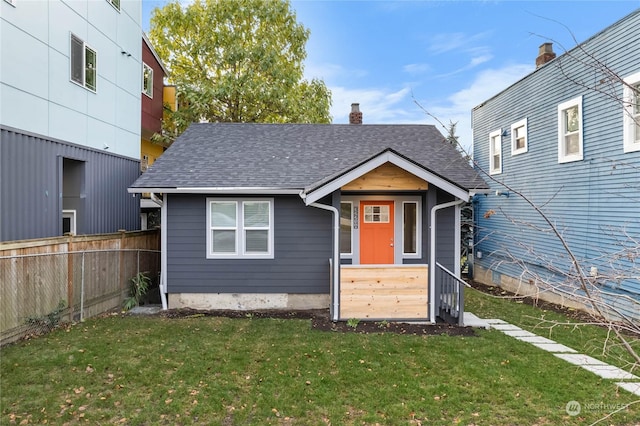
[(46, 282)]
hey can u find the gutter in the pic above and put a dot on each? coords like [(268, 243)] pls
[(335, 285), (163, 249), (432, 254)]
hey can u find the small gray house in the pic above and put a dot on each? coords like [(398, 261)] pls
[(363, 219)]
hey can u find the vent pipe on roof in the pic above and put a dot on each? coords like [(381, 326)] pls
[(545, 54), (355, 117)]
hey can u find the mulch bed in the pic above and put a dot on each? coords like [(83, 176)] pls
[(320, 320)]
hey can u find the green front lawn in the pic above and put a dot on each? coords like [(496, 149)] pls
[(205, 370)]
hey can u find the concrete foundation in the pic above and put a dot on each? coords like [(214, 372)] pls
[(248, 301), (521, 288)]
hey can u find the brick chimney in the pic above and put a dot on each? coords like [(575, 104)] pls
[(355, 117), (545, 54)]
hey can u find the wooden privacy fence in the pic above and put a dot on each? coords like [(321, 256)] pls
[(43, 282)]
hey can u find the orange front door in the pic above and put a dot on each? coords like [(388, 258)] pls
[(376, 232)]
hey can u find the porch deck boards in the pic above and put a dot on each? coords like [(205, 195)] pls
[(384, 292)]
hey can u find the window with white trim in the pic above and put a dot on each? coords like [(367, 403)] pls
[(631, 122), (570, 144), (115, 4), (84, 67), (519, 139), (410, 227), (147, 80), (346, 227), (495, 152), (239, 228)]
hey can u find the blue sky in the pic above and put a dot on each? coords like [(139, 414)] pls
[(448, 56)]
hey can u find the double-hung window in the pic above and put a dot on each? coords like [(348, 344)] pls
[(495, 152), (84, 66), (147, 80), (239, 228), (570, 146), (632, 113), (519, 137)]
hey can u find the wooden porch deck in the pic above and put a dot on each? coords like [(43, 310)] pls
[(377, 292)]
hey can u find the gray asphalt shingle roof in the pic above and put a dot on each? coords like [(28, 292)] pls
[(292, 156)]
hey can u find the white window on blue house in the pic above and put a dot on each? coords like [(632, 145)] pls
[(495, 152), (519, 142), (631, 120), (239, 228), (84, 64), (570, 144), (147, 80)]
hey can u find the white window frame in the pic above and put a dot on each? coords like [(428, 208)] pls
[(115, 4), (418, 233), (562, 157), (497, 136), (147, 90), (240, 230), (71, 215), (631, 143), (351, 217), (83, 80), (522, 124)]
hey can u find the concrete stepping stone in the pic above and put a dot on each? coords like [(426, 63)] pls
[(534, 339), (610, 372), (495, 321), (506, 326), (580, 359), (634, 388), (554, 347), (518, 333)]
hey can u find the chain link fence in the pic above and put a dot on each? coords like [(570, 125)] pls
[(38, 291)]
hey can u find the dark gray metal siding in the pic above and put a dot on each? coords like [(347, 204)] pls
[(302, 247), (31, 188)]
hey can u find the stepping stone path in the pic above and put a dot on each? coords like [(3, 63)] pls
[(570, 355)]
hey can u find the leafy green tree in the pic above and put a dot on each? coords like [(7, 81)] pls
[(237, 61)]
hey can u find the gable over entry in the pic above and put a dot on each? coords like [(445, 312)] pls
[(383, 240)]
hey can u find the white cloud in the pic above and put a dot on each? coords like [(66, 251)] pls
[(378, 105), (416, 68), (446, 42), (457, 106)]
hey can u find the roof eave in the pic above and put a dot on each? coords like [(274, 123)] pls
[(216, 190)]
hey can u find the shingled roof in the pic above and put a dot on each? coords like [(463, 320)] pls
[(296, 156)]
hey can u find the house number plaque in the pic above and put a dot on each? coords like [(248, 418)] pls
[(355, 217)]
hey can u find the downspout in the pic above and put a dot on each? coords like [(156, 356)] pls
[(432, 255), (163, 248), (335, 285)]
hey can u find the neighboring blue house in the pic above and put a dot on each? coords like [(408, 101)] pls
[(296, 216), (567, 137)]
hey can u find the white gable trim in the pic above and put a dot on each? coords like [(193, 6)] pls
[(385, 157)]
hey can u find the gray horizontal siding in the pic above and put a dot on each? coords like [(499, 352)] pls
[(302, 246), (31, 188), (595, 203)]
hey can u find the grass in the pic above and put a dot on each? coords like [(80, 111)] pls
[(204, 370)]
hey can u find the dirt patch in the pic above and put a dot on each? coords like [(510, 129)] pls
[(320, 320)]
